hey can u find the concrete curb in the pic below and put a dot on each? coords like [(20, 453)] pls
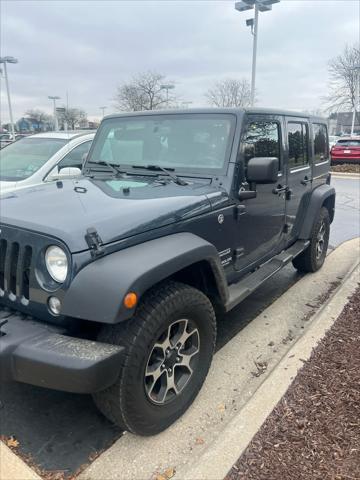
[(219, 457), (350, 176), (13, 468)]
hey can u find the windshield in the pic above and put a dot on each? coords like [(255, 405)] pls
[(184, 142), (348, 143), (23, 158)]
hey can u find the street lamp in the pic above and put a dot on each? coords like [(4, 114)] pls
[(103, 110), (54, 98), (357, 98), (167, 87), (260, 6), (6, 60)]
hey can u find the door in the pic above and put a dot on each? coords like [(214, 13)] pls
[(260, 220), (298, 173)]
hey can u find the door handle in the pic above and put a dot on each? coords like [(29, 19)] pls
[(305, 180), (280, 189)]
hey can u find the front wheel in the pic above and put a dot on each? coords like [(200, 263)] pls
[(169, 347), (312, 259)]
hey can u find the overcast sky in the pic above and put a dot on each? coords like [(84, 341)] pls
[(86, 48)]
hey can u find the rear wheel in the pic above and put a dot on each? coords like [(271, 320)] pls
[(169, 348), (312, 259)]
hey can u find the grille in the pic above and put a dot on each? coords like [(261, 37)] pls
[(15, 267)]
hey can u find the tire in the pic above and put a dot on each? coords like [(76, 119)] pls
[(313, 257), (170, 313)]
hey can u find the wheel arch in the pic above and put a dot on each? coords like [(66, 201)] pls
[(322, 196), (183, 257)]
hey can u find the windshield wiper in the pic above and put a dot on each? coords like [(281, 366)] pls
[(113, 167), (168, 171)]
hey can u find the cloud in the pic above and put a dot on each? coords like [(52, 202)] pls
[(88, 48)]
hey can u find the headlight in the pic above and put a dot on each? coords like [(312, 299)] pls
[(56, 263)]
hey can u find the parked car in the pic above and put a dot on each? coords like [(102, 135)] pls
[(41, 158), (346, 150), (6, 138), (178, 216)]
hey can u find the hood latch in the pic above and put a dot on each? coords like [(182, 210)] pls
[(94, 241)]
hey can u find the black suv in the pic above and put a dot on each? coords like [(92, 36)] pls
[(110, 283)]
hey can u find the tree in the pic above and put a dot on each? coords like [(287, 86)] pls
[(230, 92), (343, 80), (143, 92), (72, 117), (39, 116)]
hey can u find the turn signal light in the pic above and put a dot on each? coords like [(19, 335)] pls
[(130, 300)]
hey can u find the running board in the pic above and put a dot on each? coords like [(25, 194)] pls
[(239, 291)]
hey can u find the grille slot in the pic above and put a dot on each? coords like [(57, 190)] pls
[(15, 270), (13, 260), (26, 271)]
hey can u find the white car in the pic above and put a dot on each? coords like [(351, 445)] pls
[(43, 157)]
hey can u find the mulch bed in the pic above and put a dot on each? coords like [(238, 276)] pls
[(346, 168), (314, 431)]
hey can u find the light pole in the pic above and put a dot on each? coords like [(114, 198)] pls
[(54, 98), (259, 6), (103, 110), (6, 60), (167, 87), (357, 99)]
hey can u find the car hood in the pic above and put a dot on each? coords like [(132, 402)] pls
[(116, 208)]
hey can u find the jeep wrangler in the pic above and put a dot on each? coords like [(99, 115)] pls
[(110, 283)]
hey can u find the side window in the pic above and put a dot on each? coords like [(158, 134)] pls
[(261, 139), (75, 157), (321, 149), (298, 144)]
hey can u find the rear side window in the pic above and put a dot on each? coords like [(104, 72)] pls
[(320, 142), (262, 139), (298, 144)]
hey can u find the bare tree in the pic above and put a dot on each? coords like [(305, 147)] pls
[(343, 80), (39, 116), (72, 116), (230, 92), (143, 92)]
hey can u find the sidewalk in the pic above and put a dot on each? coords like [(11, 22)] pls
[(314, 431)]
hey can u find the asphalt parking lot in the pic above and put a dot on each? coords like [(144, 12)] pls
[(63, 431)]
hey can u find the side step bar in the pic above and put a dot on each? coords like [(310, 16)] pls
[(239, 291)]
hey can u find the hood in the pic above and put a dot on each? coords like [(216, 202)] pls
[(116, 208)]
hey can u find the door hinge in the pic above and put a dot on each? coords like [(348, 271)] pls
[(94, 241), (286, 228)]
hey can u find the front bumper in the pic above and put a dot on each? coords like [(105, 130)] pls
[(36, 353)]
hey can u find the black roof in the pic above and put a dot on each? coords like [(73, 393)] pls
[(236, 111)]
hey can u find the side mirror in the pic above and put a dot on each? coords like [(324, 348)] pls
[(263, 170), (69, 172), (57, 174)]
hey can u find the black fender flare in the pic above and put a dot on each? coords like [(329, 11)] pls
[(97, 291), (322, 195)]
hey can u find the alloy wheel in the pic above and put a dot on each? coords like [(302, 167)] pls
[(172, 361)]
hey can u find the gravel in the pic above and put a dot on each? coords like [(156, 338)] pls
[(346, 168), (314, 431)]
